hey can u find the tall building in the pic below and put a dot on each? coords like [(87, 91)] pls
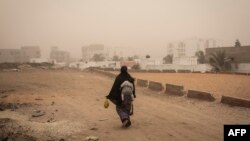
[(59, 56), (23, 55), (181, 50), (89, 51), (170, 49), (10, 55), (30, 52), (210, 43), (188, 48)]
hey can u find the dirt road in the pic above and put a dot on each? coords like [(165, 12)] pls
[(73, 105)]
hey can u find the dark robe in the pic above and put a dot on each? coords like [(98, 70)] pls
[(115, 92)]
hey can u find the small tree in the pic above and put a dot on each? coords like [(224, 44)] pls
[(219, 61), (130, 59), (201, 57), (136, 67), (121, 59), (168, 59), (115, 58), (98, 57), (237, 43)]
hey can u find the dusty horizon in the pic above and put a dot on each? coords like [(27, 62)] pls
[(138, 26)]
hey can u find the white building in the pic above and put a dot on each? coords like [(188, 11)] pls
[(101, 64), (185, 61), (149, 62), (59, 56), (89, 51)]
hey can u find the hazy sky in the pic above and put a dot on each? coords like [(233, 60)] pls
[(140, 26)]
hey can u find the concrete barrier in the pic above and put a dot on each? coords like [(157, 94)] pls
[(142, 83), (155, 86), (174, 90), (200, 95), (233, 101)]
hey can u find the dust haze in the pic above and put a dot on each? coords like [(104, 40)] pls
[(137, 27)]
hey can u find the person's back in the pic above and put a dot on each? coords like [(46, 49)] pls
[(122, 94)]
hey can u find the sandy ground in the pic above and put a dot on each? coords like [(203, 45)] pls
[(73, 102)]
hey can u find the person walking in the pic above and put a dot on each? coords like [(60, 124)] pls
[(122, 95)]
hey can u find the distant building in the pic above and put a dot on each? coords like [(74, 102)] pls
[(23, 55), (240, 57), (10, 55), (101, 64), (185, 61), (129, 64), (181, 50), (89, 51), (150, 62), (29, 52), (186, 49), (59, 56)]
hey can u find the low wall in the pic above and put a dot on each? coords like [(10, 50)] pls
[(169, 71), (199, 67), (184, 71), (233, 101), (174, 90), (200, 95), (155, 86), (142, 83), (155, 71)]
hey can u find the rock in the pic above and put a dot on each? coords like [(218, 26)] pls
[(4, 96), (91, 138), (53, 103), (51, 120), (93, 128), (38, 113), (102, 119)]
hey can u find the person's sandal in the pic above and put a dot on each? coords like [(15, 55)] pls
[(126, 123)]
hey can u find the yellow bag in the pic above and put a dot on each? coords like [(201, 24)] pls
[(106, 103)]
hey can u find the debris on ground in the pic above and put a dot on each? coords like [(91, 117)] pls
[(19, 134), (103, 119), (5, 91), (38, 113), (4, 96), (94, 128), (52, 103), (11, 106), (91, 138), (51, 120)]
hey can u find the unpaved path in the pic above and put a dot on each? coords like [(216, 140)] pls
[(73, 102)]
